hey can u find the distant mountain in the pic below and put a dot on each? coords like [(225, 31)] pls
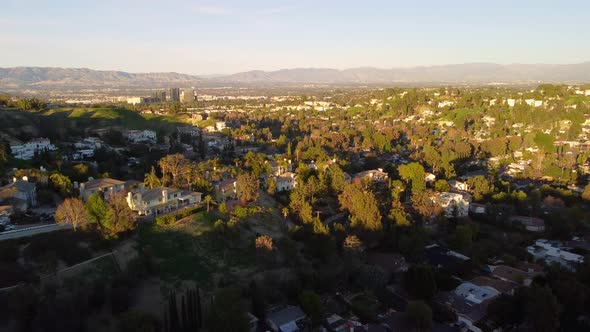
[(461, 73), (49, 77), (474, 73)]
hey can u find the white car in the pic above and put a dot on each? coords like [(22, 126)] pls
[(9, 228)]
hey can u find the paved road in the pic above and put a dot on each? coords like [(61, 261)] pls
[(30, 231)]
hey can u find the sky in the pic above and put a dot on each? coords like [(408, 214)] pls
[(229, 36)]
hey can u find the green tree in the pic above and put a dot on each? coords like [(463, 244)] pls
[(363, 208), (151, 179), (62, 184), (413, 173), (97, 209), (247, 187), (419, 315), (226, 312), (420, 281), (209, 201), (312, 305)]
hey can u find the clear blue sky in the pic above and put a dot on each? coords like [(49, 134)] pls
[(226, 36)]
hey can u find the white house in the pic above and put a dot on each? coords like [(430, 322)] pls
[(429, 177), (286, 181), (141, 136), (27, 150), (161, 200), (458, 185), (445, 103), (20, 194), (86, 147), (454, 205), (511, 102), (551, 252), (220, 125)]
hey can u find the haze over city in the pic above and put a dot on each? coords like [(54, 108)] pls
[(225, 37)]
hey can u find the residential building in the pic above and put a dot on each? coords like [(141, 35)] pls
[(286, 181), (375, 175), (141, 136), (86, 147), (226, 190), (286, 319), (454, 204), (531, 224), (551, 253), (162, 200), (20, 194), (458, 185), (429, 177), (220, 125), (136, 100), (104, 186), (511, 274), (27, 150), (469, 301)]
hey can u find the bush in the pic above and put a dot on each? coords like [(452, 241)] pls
[(172, 218)]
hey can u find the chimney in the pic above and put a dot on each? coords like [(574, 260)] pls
[(164, 196)]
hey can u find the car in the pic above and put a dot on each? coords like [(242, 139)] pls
[(9, 228)]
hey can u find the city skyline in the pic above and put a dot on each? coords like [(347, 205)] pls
[(224, 37)]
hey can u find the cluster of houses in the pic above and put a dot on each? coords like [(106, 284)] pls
[(144, 201)]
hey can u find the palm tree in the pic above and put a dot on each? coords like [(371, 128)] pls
[(285, 213), (151, 180), (209, 201)]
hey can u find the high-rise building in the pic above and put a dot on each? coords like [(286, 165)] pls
[(174, 94), (188, 95), (159, 96)]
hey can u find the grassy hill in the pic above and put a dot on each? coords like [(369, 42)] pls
[(63, 122)]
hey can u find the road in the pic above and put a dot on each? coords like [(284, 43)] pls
[(28, 230)]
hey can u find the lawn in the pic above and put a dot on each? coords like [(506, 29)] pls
[(191, 250)]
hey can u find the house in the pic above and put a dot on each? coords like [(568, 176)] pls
[(105, 186), (531, 224), (429, 177), (5, 213), (459, 186), (336, 323), (27, 150), (157, 201), (286, 181), (477, 208), (20, 194), (469, 301), (502, 286), (441, 257), (375, 175), (286, 319), (86, 147), (453, 204), (220, 125), (551, 253), (140, 136), (511, 274), (226, 190)]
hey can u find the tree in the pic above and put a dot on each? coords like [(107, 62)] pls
[(96, 208), (226, 312), (311, 304), (264, 244), (586, 193), (209, 201), (285, 213), (420, 281), (420, 315), (413, 173), (119, 217), (542, 309), (138, 321), (62, 184), (151, 179), (247, 187), (463, 238), (72, 212), (363, 208)]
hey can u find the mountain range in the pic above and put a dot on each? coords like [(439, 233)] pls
[(473, 73)]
